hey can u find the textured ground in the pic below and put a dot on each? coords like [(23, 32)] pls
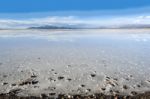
[(81, 62)]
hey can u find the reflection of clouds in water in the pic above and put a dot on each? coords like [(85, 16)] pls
[(141, 37), (75, 35), (55, 38)]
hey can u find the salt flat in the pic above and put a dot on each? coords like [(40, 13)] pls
[(33, 62)]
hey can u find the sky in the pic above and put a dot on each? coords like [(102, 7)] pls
[(26, 13), (19, 6)]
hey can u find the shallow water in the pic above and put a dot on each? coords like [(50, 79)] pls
[(120, 54)]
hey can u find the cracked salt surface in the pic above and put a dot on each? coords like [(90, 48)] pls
[(34, 63)]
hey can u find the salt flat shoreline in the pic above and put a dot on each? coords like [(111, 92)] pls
[(81, 63)]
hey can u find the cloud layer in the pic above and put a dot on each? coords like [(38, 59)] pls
[(91, 21)]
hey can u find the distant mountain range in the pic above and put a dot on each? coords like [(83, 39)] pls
[(61, 26), (85, 26), (127, 26), (52, 27), (134, 26)]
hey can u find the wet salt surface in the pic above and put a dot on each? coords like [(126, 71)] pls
[(74, 62)]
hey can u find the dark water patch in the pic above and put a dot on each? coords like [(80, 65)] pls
[(52, 94), (61, 78), (28, 82), (13, 84), (5, 83), (125, 87), (134, 93), (93, 75), (82, 85), (69, 79), (4, 76)]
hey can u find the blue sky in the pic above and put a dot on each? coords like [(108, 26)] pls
[(92, 13), (20, 6)]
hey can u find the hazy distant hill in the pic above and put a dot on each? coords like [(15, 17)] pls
[(52, 27), (61, 26), (127, 26), (130, 26)]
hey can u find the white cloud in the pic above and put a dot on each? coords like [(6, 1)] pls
[(142, 20), (72, 20), (9, 23)]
